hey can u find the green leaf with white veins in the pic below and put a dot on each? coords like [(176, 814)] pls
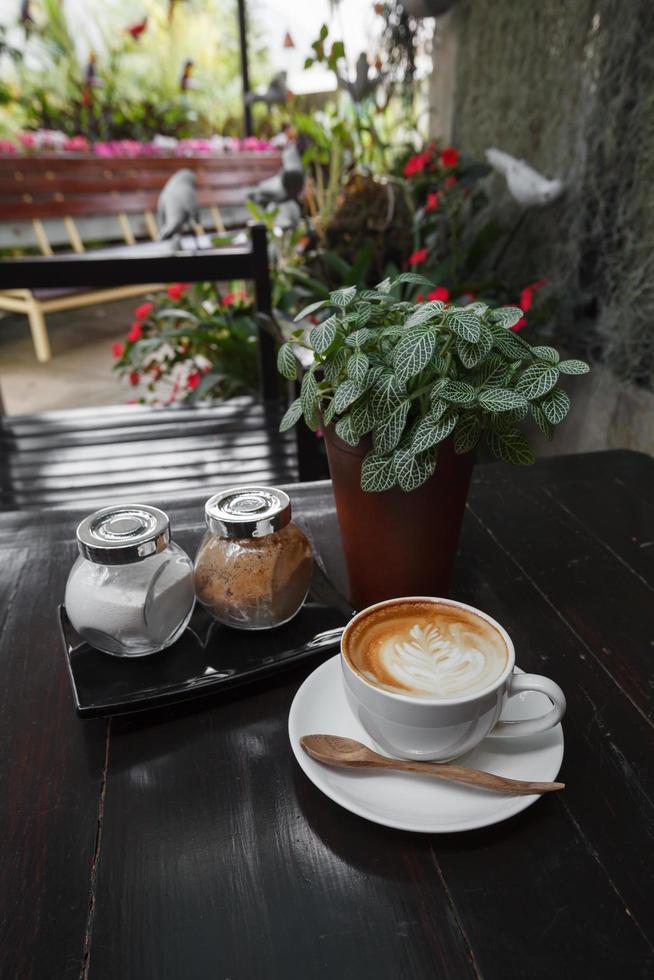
[(357, 368), (438, 409), (511, 447), (542, 421), (415, 279), (346, 393), (507, 316), (537, 380), (309, 398), (335, 364), (413, 469), (466, 434), (424, 313), (464, 324), (377, 473), (287, 362), (430, 431), (308, 310), (546, 354), (555, 405), (501, 399), (459, 392), (322, 336), (573, 367), (363, 420), (413, 352), (292, 415), (346, 431), (343, 297), (358, 338), (388, 433), (386, 395)]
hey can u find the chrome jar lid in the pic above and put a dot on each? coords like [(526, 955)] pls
[(248, 512), (123, 533)]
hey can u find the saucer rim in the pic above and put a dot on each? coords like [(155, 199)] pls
[(518, 803)]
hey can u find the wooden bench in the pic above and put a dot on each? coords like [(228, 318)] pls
[(125, 190), (95, 455)]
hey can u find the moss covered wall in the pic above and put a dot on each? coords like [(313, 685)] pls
[(569, 86)]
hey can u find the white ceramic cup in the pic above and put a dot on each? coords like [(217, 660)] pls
[(412, 727)]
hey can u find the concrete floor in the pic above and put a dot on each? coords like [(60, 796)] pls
[(79, 373)]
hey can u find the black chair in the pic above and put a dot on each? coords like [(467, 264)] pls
[(91, 455)]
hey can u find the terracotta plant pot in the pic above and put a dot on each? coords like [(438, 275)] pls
[(398, 543)]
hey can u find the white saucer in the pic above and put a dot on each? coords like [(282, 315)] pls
[(412, 802)]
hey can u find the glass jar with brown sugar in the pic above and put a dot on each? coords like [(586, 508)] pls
[(253, 568)]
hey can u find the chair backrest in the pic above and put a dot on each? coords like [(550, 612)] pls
[(160, 262)]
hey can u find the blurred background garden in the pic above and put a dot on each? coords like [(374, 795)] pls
[(500, 150)]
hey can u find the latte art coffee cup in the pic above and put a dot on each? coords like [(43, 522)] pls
[(427, 649), (428, 678)]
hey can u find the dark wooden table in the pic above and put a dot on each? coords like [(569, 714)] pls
[(186, 843)]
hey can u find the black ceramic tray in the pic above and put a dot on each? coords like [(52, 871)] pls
[(207, 658)]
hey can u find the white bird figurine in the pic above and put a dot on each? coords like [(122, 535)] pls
[(525, 184), (177, 207), (277, 92)]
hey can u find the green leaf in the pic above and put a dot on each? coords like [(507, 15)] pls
[(384, 286), (358, 338), (388, 433), (511, 447), (438, 409), (363, 420), (556, 405), (377, 473), (501, 399), (328, 412), (546, 354), (357, 368), (459, 392), (322, 336), (309, 399), (466, 434), (413, 469), (343, 297), (506, 316), (292, 415), (361, 314), (311, 308), (429, 432), (464, 324), (415, 279), (537, 380), (413, 352), (509, 343), (542, 421), (573, 367), (370, 294), (387, 395), (346, 431), (346, 393), (492, 372), (286, 362), (425, 312)]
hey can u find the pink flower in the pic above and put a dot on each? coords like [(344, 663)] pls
[(417, 257), (193, 380), (135, 332), (117, 349), (432, 201), (177, 290), (27, 139), (440, 293), (143, 311), (449, 156)]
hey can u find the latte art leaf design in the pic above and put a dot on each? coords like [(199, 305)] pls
[(431, 663)]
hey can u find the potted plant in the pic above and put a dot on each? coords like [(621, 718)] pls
[(404, 393)]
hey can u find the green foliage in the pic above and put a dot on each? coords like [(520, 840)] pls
[(418, 374)]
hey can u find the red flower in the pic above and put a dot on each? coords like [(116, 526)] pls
[(143, 311), (117, 349), (432, 201), (177, 290), (239, 297), (416, 164), (526, 299), (134, 377), (420, 298), (449, 182), (449, 156), (522, 322), (193, 380), (439, 293), (135, 332), (417, 257)]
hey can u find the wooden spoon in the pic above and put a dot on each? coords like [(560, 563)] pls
[(350, 754)]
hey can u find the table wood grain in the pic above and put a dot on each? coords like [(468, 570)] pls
[(186, 844)]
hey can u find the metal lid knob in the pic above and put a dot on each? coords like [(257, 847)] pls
[(123, 533), (248, 512)]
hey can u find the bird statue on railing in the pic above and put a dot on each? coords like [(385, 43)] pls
[(526, 185), (363, 85), (276, 93), (177, 207), (286, 184)]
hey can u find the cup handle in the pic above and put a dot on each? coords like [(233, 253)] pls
[(530, 726)]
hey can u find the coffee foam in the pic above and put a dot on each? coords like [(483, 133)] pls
[(426, 649)]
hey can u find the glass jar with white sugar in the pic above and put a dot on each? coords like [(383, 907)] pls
[(130, 592)]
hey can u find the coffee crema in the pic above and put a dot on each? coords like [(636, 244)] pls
[(426, 649)]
